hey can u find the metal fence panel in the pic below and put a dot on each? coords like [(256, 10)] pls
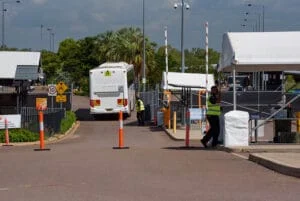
[(29, 118)]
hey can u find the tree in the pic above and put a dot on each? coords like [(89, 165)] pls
[(126, 45), (51, 65)]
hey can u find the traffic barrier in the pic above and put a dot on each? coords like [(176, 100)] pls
[(42, 134), (174, 122), (121, 133), (187, 129), (6, 133)]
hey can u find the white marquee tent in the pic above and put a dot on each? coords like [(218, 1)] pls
[(19, 65), (258, 52)]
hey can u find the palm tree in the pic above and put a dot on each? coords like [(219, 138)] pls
[(126, 45)]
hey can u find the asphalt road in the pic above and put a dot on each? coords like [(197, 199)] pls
[(85, 167)]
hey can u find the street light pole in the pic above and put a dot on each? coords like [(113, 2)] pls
[(182, 4), (3, 27), (182, 38), (144, 50), (49, 29), (263, 15), (52, 34), (3, 20), (263, 18)]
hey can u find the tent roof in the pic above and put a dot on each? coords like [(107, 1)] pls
[(9, 61), (195, 81), (260, 51)]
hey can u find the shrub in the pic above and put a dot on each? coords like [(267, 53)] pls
[(19, 135), (67, 122)]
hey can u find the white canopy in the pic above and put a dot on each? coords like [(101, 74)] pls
[(260, 51), (195, 81), (9, 61)]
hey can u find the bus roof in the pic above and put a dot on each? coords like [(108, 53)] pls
[(122, 65)]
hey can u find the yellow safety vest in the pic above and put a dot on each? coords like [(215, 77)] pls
[(213, 109), (139, 105)]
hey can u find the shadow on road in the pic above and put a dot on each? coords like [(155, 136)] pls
[(190, 148), (83, 114)]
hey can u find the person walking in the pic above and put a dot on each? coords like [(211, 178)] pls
[(140, 111), (213, 113)]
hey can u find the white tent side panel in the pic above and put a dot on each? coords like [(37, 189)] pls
[(195, 81), (260, 51)]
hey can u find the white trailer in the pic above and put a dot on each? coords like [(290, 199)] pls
[(112, 89)]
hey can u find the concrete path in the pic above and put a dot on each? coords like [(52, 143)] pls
[(282, 158)]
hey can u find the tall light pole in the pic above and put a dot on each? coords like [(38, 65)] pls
[(3, 20), (144, 50), (42, 26), (263, 14), (255, 25), (50, 33), (187, 6)]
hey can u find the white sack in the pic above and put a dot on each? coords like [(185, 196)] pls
[(236, 128)]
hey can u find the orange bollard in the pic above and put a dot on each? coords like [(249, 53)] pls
[(121, 133), (42, 135), (6, 133)]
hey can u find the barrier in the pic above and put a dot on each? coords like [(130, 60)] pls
[(6, 133), (174, 122), (121, 133), (42, 134)]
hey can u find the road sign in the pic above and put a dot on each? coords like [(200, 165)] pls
[(61, 98), (52, 90), (14, 121), (41, 103), (61, 87)]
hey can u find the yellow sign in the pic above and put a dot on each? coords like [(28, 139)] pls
[(61, 98), (61, 87), (41, 103), (107, 73)]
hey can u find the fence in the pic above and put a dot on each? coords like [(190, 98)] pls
[(29, 118), (259, 104), (152, 103)]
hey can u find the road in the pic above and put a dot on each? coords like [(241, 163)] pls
[(85, 167)]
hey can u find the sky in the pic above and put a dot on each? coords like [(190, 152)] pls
[(83, 18)]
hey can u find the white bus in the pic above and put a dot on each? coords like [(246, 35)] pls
[(112, 89)]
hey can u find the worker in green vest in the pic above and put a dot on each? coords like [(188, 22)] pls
[(212, 115), (140, 111)]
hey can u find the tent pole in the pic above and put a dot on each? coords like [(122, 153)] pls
[(234, 88), (283, 88)]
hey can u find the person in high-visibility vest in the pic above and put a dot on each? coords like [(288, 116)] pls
[(212, 114), (140, 111)]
